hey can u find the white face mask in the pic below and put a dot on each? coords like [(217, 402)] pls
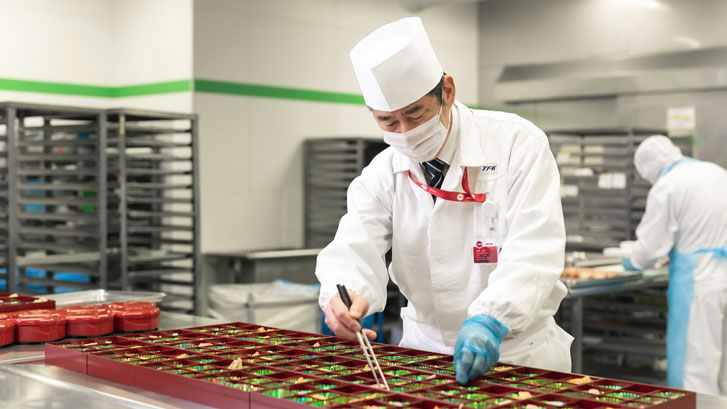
[(421, 143)]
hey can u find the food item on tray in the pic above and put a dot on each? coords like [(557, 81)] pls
[(588, 273)]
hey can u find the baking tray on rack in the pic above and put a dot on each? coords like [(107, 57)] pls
[(625, 276), (580, 283), (103, 297)]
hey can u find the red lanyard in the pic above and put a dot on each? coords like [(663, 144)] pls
[(467, 196)]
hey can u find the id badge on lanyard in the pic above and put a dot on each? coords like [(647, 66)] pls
[(486, 249)]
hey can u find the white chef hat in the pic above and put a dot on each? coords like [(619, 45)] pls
[(395, 65), (653, 155)]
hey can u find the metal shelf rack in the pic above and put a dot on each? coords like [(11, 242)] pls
[(155, 212), (330, 164), (599, 212), (4, 197), (54, 197)]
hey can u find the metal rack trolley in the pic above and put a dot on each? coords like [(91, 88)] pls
[(330, 165), (577, 295), (4, 112), (56, 196), (154, 171), (599, 216), (110, 195)]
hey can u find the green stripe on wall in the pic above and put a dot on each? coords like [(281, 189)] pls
[(268, 91), (153, 88), (200, 85), (56, 88), (99, 91)]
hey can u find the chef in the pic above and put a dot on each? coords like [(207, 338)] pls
[(468, 203)]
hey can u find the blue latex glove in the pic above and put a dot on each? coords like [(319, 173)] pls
[(629, 265), (478, 347)]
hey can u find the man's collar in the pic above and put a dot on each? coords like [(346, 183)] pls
[(452, 141)]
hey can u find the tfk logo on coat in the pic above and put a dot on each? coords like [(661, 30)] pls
[(489, 168)]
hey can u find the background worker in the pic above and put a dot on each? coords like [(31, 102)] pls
[(686, 219)]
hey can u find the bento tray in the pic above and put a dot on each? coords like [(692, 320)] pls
[(247, 366), (626, 276), (103, 297)]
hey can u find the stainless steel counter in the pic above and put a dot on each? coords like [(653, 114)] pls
[(35, 385)]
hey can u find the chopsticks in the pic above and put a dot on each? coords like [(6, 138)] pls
[(363, 340)]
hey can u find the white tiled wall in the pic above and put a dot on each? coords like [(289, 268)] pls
[(251, 148)]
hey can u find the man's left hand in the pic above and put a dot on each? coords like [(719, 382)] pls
[(478, 347)]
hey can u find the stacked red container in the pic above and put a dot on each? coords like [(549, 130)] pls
[(39, 325), (88, 320), (16, 302), (134, 316)]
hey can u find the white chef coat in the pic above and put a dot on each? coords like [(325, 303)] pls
[(432, 242)]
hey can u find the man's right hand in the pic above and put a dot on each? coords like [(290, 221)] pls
[(342, 321)]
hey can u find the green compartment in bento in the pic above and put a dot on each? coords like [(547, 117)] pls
[(235, 385), (610, 386), (608, 399), (343, 399), (484, 404), (203, 359), (255, 380), (441, 381), (275, 384), (501, 401), (453, 399), (415, 385), (323, 395), (560, 385), (279, 393), (398, 373), (327, 375), (301, 390), (323, 385), (625, 395), (214, 371), (175, 371), (578, 394), (635, 404), (652, 400), (476, 396), (536, 381), (669, 394), (369, 395), (302, 399), (262, 371)]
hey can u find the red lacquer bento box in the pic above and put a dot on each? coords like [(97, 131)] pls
[(240, 365), (17, 302), (7, 332), (88, 320), (39, 326), (130, 316)]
